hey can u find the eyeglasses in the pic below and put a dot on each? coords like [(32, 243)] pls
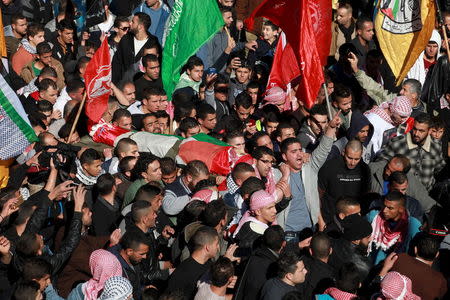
[(124, 28)]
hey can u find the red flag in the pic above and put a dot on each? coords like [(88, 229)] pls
[(310, 44), (98, 83), (285, 66)]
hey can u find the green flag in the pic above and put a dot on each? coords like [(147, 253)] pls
[(191, 24)]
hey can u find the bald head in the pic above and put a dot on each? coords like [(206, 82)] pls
[(354, 145)]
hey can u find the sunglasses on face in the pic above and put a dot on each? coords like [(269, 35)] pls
[(124, 28)]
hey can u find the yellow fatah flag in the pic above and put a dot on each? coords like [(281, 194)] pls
[(403, 29), (3, 52)]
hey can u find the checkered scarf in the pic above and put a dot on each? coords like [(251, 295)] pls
[(396, 286), (384, 237), (337, 294)]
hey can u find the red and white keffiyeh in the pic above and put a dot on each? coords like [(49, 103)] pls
[(396, 286), (383, 236), (339, 295)]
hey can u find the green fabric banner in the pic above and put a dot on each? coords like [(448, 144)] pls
[(191, 24)]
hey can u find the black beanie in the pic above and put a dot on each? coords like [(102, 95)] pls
[(356, 227)]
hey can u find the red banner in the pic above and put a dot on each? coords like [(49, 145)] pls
[(98, 83), (306, 24)]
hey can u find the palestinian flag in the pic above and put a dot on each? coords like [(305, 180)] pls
[(218, 156), (16, 133)]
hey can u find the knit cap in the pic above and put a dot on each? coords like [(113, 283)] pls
[(260, 199), (116, 288)]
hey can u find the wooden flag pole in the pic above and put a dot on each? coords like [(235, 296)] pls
[(327, 99), (444, 30), (74, 125)]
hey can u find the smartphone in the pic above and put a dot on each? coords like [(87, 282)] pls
[(211, 71)]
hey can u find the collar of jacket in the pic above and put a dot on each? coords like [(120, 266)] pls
[(426, 146)]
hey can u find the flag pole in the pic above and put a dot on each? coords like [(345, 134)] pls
[(444, 31), (74, 125), (327, 99)]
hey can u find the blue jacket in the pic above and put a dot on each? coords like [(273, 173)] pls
[(159, 18), (413, 228)]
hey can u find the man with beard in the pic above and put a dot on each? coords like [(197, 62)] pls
[(311, 130), (131, 46), (130, 252), (393, 227), (342, 101), (423, 152), (343, 176), (352, 246), (360, 129)]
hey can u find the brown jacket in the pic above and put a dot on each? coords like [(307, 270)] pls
[(337, 39), (426, 282), (77, 268), (244, 8), (27, 73)]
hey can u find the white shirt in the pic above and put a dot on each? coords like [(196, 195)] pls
[(379, 126), (138, 45), (135, 108)]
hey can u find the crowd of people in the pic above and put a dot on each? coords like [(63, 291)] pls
[(347, 199)]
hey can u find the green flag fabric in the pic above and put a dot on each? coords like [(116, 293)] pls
[(191, 24)]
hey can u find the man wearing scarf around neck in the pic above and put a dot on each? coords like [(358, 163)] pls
[(392, 227)]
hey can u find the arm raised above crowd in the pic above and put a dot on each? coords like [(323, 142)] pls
[(320, 154), (375, 90)]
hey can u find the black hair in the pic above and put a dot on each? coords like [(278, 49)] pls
[(36, 268), (251, 185), (286, 143), (144, 19), (45, 105), (243, 100), (47, 83), (48, 71), (241, 168), (423, 118), (124, 164), (395, 197), (427, 246), (361, 21), (203, 236), (182, 110), (149, 58), (120, 113), (214, 212), (168, 165), (64, 24), (89, 155), (221, 271), (260, 151), (318, 110), (105, 184), (139, 209), (193, 62), (26, 290), (142, 165), (118, 20), (132, 240), (151, 91), (74, 85), (43, 47), (397, 177), (273, 237), (195, 168), (320, 245), (147, 192), (187, 123), (122, 146), (340, 91), (287, 263), (348, 278), (203, 110)]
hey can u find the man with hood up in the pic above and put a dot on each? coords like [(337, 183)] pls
[(360, 129), (426, 59)]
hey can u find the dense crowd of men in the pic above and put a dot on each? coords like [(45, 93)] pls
[(348, 200)]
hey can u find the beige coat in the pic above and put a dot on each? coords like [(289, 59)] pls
[(27, 73), (337, 39)]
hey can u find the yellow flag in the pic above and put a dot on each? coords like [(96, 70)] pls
[(3, 52), (403, 29)]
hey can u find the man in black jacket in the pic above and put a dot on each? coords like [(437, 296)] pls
[(262, 264), (131, 46), (320, 273), (31, 243)]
